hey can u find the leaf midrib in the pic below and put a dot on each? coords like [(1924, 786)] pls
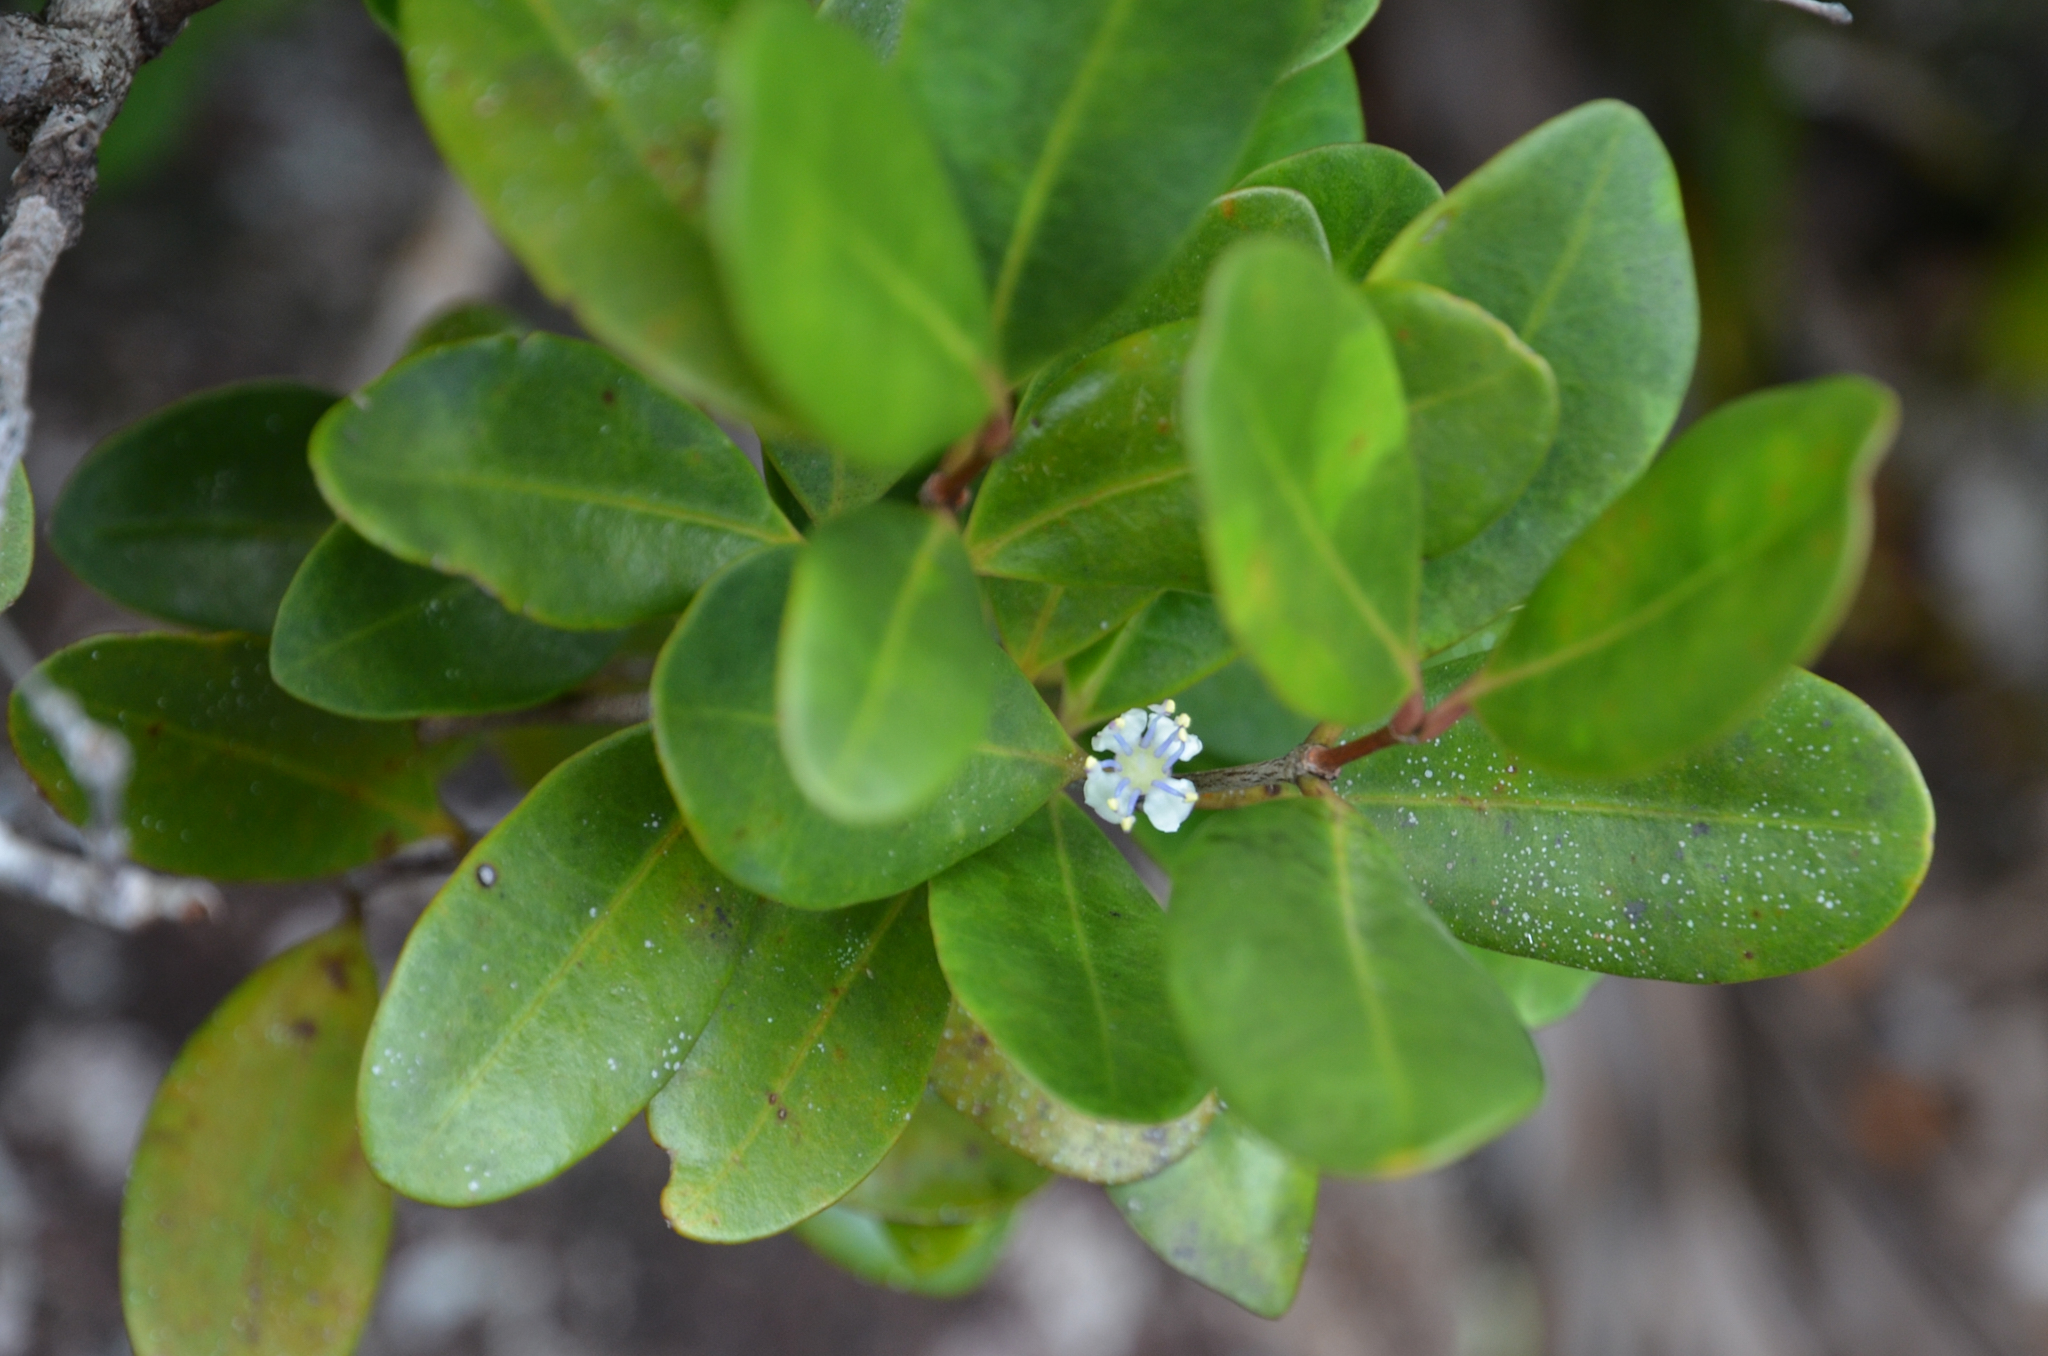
[(1479, 805), (986, 549), (889, 654), (575, 494), (1110, 1070), (1371, 1006)]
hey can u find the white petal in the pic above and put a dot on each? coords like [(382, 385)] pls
[(1099, 792), (1168, 804)]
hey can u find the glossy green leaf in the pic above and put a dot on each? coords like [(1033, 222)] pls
[(824, 482), (1085, 136), (714, 719), (1542, 993), (457, 460), (1235, 1215), (1316, 106), (983, 1083), (1337, 23), (1574, 237), (1297, 428), (808, 1073), (1363, 195), (251, 1224), (461, 323), (1679, 611), (233, 777), (584, 131), (945, 1169), (366, 634), (1239, 718), (1336, 1014), (883, 683), (200, 513), (552, 987), (1793, 841), (877, 22), (1041, 624), (1178, 640), (17, 538), (938, 1261), (1482, 408), (851, 271), (1054, 947)]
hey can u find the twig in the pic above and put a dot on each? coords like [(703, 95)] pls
[(1833, 13), (609, 708), (950, 486), (117, 895), (97, 756), (1318, 761)]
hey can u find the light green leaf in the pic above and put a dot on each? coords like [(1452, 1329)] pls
[(807, 1074), (366, 634), (1336, 1014), (851, 271), (1791, 842), (825, 483), (234, 778), (1296, 428), (1177, 641), (456, 460), (714, 717), (200, 513), (1363, 195), (17, 538), (1337, 23), (883, 683), (584, 129), (1482, 408), (1316, 106), (1052, 944), (878, 22), (552, 987), (1541, 992), (1085, 136), (1679, 611), (1235, 1215), (939, 1261), (251, 1225), (1575, 238), (1041, 624), (945, 1169)]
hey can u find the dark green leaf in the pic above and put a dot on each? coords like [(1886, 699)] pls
[(1239, 718), (878, 22), (1575, 237), (552, 987), (530, 752), (1041, 624), (808, 1073), (366, 634), (945, 1169), (1482, 408), (1235, 1214), (385, 13), (981, 1082), (1337, 23), (458, 460), (714, 705), (463, 322), (1363, 195), (1297, 428), (1336, 1014), (1084, 137), (940, 1261), (17, 538), (233, 777), (1052, 944), (1177, 641), (584, 130), (251, 1224), (825, 483), (1316, 106), (883, 683), (200, 513), (1795, 840), (1679, 611), (851, 271), (1541, 992)]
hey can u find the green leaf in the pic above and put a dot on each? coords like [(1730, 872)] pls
[(1177, 641), (1336, 1014), (1541, 992), (945, 1169), (233, 777), (877, 22), (851, 271), (1574, 237), (1041, 624), (1791, 842), (1296, 428), (824, 482), (808, 1073), (983, 1083), (364, 634), (1482, 408), (1239, 718), (463, 322), (883, 683), (1053, 945), (939, 1261), (1337, 23), (456, 460), (1316, 106), (1085, 136), (251, 1223), (584, 129), (1235, 1215), (714, 719), (1679, 611), (551, 987), (17, 537), (1363, 195), (200, 513), (530, 752)]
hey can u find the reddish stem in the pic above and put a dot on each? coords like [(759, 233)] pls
[(952, 485)]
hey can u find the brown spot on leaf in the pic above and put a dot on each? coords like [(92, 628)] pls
[(304, 1030), (336, 972)]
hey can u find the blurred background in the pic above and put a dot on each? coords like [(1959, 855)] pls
[(1848, 1163)]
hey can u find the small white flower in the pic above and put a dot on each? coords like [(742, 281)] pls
[(1145, 746)]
